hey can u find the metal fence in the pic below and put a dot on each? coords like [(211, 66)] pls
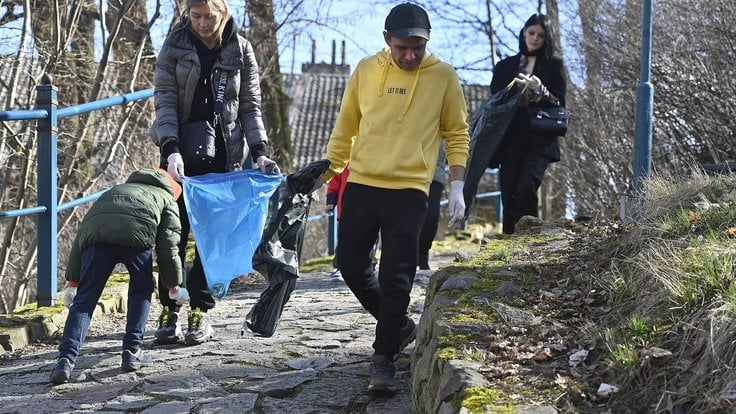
[(47, 115)]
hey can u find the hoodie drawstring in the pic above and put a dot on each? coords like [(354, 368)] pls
[(384, 76), (405, 109), (385, 54)]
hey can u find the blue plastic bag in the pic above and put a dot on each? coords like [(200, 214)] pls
[(227, 213)]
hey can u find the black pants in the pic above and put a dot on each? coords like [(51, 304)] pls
[(196, 282), (431, 221), (520, 176), (397, 215)]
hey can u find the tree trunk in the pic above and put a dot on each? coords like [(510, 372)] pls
[(132, 37), (274, 99)]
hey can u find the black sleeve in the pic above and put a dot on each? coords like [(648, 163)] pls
[(503, 73), (258, 149), (556, 82), (168, 149)]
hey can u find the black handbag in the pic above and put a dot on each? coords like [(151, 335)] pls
[(197, 143), (548, 120), (197, 139)]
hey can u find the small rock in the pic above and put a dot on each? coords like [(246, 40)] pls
[(605, 390), (578, 357), (572, 295), (558, 347), (480, 300)]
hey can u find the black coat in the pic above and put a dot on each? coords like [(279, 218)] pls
[(518, 138)]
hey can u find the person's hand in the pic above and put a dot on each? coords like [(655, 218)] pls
[(267, 165), (521, 81), (176, 166), (179, 294), (531, 82), (329, 208), (534, 83), (70, 291), (456, 202)]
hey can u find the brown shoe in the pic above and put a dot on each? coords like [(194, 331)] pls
[(407, 333), (382, 376)]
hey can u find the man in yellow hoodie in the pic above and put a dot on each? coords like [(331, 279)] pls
[(398, 105)]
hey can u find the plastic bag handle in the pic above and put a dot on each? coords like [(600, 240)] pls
[(511, 85)]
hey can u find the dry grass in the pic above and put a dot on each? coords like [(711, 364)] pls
[(659, 307), (674, 275)]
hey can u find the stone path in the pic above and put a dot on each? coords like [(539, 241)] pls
[(316, 362)]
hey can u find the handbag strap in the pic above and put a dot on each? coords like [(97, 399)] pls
[(220, 95)]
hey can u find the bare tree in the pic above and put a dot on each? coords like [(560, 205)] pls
[(92, 154), (262, 33)]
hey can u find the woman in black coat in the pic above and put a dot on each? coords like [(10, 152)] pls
[(523, 155)]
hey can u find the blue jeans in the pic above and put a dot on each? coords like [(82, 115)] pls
[(98, 262)]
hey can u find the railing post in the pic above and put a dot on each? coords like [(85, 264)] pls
[(332, 232), (644, 104), (46, 134)]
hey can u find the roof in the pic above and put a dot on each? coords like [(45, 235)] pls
[(315, 103)]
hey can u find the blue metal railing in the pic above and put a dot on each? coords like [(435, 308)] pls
[(47, 115)]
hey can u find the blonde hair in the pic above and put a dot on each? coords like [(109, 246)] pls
[(219, 6)]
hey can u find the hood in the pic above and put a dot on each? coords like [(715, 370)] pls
[(156, 177), (229, 31), (385, 61), (183, 28)]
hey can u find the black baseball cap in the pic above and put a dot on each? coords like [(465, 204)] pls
[(407, 20)]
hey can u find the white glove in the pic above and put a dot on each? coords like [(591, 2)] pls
[(456, 202), (528, 82), (532, 82), (179, 294), (521, 81), (69, 293), (176, 166), (267, 165)]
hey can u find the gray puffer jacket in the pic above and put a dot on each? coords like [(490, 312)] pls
[(175, 80)]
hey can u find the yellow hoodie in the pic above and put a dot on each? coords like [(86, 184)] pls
[(391, 122)]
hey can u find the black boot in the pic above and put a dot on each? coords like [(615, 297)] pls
[(423, 261)]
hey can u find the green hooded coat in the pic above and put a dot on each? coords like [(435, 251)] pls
[(139, 213)]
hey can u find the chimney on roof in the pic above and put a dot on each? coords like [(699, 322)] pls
[(324, 67), (334, 46), (314, 51)]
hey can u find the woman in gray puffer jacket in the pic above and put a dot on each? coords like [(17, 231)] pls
[(202, 55)]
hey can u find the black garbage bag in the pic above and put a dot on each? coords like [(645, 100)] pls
[(277, 255), (487, 128)]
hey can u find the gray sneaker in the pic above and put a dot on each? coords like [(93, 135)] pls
[(61, 372), (169, 330), (336, 275), (200, 330), (133, 361), (382, 376)]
